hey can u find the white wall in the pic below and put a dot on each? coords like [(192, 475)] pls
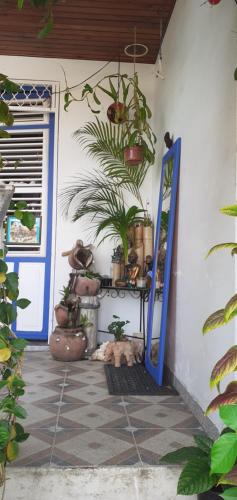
[(197, 102), (72, 160)]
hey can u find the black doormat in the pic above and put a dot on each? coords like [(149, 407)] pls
[(134, 381)]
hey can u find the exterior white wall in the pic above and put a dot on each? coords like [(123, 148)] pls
[(197, 102), (72, 160)]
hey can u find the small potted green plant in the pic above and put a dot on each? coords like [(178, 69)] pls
[(117, 328)]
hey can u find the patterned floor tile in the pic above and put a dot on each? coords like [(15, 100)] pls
[(74, 421), (88, 393), (40, 416), (36, 392), (153, 399), (93, 416), (34, 452), (166, 416), (152, 448), (95, 447)]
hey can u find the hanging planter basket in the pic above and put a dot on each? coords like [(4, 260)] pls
[(133, 155), (117, 113)]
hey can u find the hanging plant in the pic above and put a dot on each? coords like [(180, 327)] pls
[(129, 109), (48, 19)]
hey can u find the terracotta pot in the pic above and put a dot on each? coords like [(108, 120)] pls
[(61, 314), (133, 155), (86, 286), (117, 112), (68, 344), (209, 495)]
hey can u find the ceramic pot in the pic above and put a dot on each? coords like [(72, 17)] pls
[(209, 495), (61, 314), (133, 155), (68, 344), (117, 112), (86, 286)]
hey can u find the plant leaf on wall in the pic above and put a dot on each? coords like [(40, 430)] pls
[(215, 320), (230, 210), (231, 308), (227, 398), (227, 364), (222, 246)]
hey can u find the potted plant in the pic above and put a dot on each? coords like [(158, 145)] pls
[(61, 309), (69, 344), (116, 328), (211, 468)]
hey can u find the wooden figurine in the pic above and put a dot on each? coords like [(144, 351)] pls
[(115, 351)]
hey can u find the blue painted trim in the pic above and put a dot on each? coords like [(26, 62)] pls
[(43, 334), (27, 127), (157, 370)]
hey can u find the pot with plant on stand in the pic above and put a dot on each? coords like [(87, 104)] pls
[(210, 468), (121, 349)]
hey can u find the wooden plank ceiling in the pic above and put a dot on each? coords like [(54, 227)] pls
[(85, 29)]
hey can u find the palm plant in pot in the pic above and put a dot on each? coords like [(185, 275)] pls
[(211, 468)]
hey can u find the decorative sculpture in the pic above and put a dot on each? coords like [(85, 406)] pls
[(79, 257), (132, 269)]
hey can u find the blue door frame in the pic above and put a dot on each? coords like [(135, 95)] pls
[(43, 334)]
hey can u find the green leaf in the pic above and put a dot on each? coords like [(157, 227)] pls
[(224, 453), (4, 134), (221, 246), (3, 267), (196, 478), (23, 303), (227, 364), (20, 4), (231, 307), (227, 398), (18, 214), (19, 411), (19, 343), (110, 94), (203, 442), (4, 433), (97, 101), (12, 450), (113, 91), (7, 313), (230, 493), (21, 435), (214, 321), (28, 220), (48, 27), (21, 205), (230, 210), (182, 455), (228, 414), (12, 282), (2, 457)]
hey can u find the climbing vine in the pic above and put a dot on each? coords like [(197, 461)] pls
[(12, 385)]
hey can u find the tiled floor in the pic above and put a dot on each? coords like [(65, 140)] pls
[(73, 421)]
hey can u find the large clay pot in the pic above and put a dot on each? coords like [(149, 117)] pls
[(209, 495), (133, 155), (86, 286), (68, 344), (61, 314)]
